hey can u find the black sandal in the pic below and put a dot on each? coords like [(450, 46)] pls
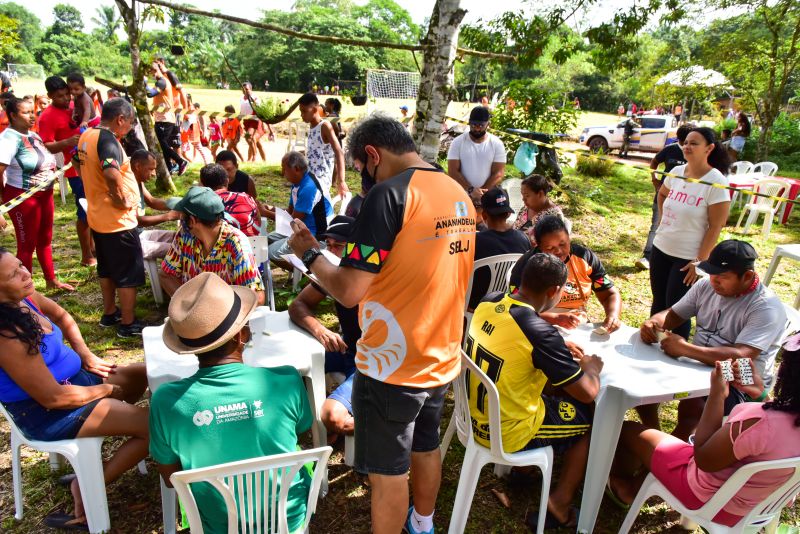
[(65, 522), (551, 522)]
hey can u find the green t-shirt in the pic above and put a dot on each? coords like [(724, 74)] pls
[(228, 413)]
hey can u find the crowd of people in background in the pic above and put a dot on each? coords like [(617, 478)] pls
[(406, 249)]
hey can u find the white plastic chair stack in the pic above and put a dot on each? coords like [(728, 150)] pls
[(260, 244), (87, 460), (255, 490), (761, 205), (513, 186), (476, 455), (767, 168), (788, 251), (765, 515)]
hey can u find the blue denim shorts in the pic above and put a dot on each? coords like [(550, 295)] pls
[(76, 184), (38, 423), (344, 393)]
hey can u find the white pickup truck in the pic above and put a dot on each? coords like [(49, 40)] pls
[(656, 132)]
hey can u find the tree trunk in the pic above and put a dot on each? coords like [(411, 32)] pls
[(139, 95), (437, 81)]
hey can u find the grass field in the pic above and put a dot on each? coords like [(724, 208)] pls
[(611, 215)]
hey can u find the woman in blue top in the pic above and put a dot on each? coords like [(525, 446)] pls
[(53, 391)]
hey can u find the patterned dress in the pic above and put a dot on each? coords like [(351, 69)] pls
[(526, 223)]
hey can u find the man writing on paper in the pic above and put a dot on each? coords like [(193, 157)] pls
[(406, 265), (307, 202)]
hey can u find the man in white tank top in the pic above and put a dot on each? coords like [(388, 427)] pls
[(325, 156)]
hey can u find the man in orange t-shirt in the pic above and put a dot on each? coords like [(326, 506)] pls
[(113, 203), (406, 265)]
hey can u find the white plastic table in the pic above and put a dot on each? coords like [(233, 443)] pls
[(634, 373), (276, 342)]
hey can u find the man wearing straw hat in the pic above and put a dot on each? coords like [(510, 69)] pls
[(200, 421)]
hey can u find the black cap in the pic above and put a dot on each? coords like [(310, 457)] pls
[(339, 228), (729, 255), (479, 114), (495, 202)]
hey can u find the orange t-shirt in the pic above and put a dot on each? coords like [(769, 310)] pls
[(99, 150), (230, 128), (416, 232), (162, 102)]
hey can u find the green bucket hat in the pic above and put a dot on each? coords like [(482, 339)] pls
[(199, 201)]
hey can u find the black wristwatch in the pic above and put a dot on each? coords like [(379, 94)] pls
[(310, 255), (470, 189)]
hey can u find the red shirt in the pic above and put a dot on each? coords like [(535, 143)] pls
[(54, 126), (243, 208)]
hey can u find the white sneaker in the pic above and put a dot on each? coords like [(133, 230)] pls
[(643, 264)]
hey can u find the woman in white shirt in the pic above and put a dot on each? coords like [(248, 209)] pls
[(691, 218)]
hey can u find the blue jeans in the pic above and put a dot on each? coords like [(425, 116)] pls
[(39, 423)]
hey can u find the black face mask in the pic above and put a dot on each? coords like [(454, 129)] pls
[(367, 180), (477, 135)]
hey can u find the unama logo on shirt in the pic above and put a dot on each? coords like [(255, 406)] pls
[(202, 418)]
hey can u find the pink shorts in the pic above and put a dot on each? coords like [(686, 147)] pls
[(670, 465)]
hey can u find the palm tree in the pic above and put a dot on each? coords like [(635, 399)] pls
[(107, 22)]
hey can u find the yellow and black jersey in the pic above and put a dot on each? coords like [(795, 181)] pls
[(519, 351), (585, 274)]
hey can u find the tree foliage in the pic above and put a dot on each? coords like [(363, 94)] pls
[(760, 51), (9, 35), (107, 22), (293, 64), (29, 29)]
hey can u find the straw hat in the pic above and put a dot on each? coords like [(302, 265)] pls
[(206, 312)]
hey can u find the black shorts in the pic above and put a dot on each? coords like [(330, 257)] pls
[(391, 422), (119, 257), (565, 422)]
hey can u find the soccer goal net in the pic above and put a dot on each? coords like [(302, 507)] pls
[(18, 70), (392, 84)]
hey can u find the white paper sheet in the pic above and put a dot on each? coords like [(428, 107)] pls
[(283, 222)]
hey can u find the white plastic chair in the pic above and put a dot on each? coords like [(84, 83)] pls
[(513, 186), (788, 251), (767, 168), (741, 167), (759, 205), (152, 266), (260, 244), (85, 456), (240, 484), (500, 268), (476, 455), (765, 515), (298, 136)]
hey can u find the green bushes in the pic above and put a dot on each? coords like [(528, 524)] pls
[(588, 165)]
